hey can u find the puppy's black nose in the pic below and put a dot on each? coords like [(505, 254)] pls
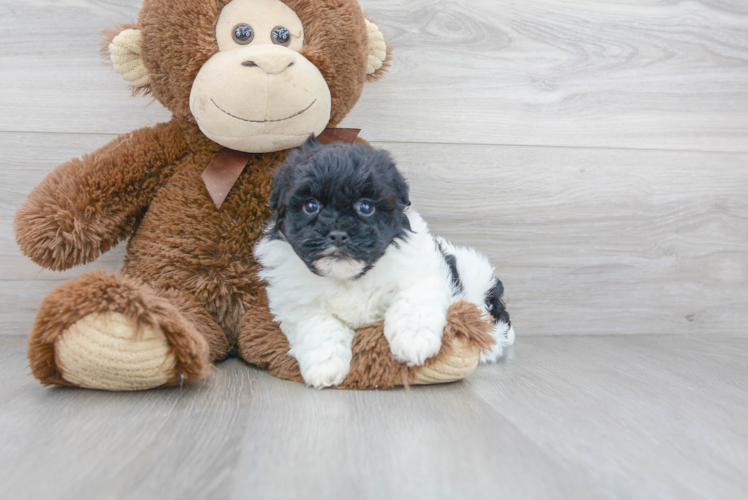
[(337, 238)]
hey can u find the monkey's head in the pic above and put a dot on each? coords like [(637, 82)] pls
[(254, 75)]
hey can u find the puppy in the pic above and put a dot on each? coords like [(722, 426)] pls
[(345, 250)]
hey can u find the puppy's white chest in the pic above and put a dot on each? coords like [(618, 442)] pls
[(359, 307)]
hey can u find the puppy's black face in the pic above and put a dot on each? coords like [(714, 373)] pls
[(339, 207)]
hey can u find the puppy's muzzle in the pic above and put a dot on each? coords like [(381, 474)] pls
[(337, 238)]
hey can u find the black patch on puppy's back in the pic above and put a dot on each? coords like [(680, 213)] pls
[(451, 260)]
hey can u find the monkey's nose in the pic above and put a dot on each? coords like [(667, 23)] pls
[(337, 238), (271, 63)]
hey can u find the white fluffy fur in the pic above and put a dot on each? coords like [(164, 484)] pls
[(410, 288)]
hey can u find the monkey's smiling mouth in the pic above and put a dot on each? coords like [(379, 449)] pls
[(263, 121)]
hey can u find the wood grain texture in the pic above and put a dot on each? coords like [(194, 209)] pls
[(575, 417), (592, 73), (597, 241), (638, 416), (591, 234), (586, 241), (52, 75)]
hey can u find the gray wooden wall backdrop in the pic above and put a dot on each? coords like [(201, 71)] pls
[(596, 150)]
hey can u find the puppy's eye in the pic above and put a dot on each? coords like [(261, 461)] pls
[(365, 208), (281, 36), (243, 34), (311, 207)]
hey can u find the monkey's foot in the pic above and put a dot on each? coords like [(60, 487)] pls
[(110, 332), (462, 360), (109, 351)]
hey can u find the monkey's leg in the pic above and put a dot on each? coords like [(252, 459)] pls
[(262, 343), (108, 331)]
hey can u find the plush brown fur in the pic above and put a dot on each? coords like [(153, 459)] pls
[(86, 206), (189, 267)]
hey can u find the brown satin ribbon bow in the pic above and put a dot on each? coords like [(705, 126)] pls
[(228, 164)]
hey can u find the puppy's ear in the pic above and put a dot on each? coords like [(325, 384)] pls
[(283, 178), (310, 144), (401, 186), (389, 175), (282, 181)]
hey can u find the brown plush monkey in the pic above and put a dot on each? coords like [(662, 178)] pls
[(255, 76)]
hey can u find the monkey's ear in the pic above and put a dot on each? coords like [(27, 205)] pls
[(380, 54), (125, 54)]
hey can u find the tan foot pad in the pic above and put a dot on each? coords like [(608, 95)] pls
[(462, 361), (105, 351)]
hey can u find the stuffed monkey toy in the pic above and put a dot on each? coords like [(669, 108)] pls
[(246, 81)]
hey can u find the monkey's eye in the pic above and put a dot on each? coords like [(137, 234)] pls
[(311, 207), (243, 34), (365, 208), (281, 36)]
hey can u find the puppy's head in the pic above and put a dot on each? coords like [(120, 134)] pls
[(339, 206)]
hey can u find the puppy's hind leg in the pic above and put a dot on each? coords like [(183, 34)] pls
[(502, 330), (479, 286)]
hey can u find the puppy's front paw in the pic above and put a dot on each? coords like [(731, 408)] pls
[(412, 341), (324, 367), (415, 345)]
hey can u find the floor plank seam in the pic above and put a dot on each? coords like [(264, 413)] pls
[(467, 144)]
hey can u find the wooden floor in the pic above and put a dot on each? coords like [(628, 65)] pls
[(564, 417), (596, 150)]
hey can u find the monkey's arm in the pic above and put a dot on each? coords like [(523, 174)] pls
[(86, 206)]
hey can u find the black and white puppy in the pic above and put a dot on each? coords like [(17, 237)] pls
[(345, 250)]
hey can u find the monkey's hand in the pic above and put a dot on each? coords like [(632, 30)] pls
[(86, 206)]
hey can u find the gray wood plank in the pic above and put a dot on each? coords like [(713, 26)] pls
[(592, 73), (597, 241), (437, 442), (52, 75), (638, 416), (586, 241), (574, 417)]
